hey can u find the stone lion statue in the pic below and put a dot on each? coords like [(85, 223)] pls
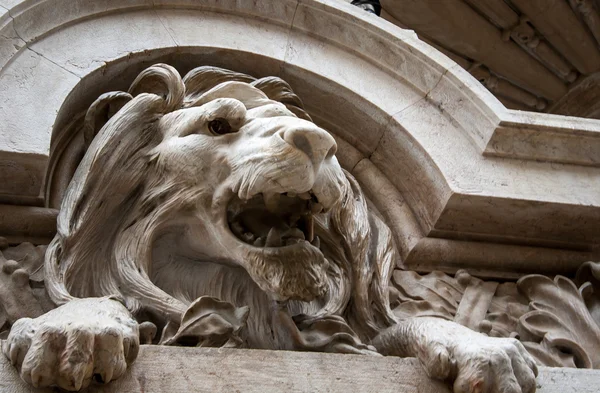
[(211, 211)]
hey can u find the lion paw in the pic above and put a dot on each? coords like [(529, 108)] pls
[(482, 364), (85, 339)]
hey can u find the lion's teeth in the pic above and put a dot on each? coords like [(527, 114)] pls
[(292, 195), (305, 195), (248, 237), (316, 242), (316, 208), (273, 238), (260, 242), (272, 201)]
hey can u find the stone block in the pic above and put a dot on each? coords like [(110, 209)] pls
[(173, 369)]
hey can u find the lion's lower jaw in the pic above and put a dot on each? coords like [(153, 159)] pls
[(300, 275)]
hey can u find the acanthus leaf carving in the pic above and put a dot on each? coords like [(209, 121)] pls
[(588, 278), (506, 308), (328, 333), (21, 284), (554, 319), (435, 294), (558, 320), (209, 322)]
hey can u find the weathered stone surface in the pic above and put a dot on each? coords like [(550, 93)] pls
[(430, 130), (534, 55), (214, 204), (569, 140), (27, 223), (436, 20), (182, 370), (107, 38)]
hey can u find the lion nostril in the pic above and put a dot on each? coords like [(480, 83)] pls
[(302, 144), (316, 143)]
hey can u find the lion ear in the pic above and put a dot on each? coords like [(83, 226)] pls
[(163, 81), (101, 111)]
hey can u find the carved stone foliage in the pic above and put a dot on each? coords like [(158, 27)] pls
[(558, 320), (22, 292), (588, 279), (208, 322), (558, 328)]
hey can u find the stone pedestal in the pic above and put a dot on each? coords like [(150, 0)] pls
[(174, 370)]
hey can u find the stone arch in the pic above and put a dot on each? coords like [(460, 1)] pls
[(418, 131)]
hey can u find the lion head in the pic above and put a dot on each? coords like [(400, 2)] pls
[(223, 171)]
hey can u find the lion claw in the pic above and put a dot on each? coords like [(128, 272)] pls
[(73, 344), (485, 364)]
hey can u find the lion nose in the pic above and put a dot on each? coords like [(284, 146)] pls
[(316, 143)]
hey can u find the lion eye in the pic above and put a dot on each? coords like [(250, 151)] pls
[(220, 127)]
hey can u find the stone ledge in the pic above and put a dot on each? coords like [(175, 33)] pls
[(169, 369), (552, 138)]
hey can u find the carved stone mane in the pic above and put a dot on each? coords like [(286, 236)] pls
[(211, 210), (124, 198)]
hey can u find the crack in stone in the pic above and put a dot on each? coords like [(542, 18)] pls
[(163, 24), (289, 37), (53, 62), (393, 115), (27, 46)]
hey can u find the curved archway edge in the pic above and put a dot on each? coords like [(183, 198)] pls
[(448, 166)]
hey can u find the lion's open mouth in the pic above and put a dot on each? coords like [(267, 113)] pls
[(275, 220)]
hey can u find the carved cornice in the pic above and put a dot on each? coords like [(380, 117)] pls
[(534, 54), (562, 139), (27, 224)]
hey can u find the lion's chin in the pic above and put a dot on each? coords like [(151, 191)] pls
[(297, 272)]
